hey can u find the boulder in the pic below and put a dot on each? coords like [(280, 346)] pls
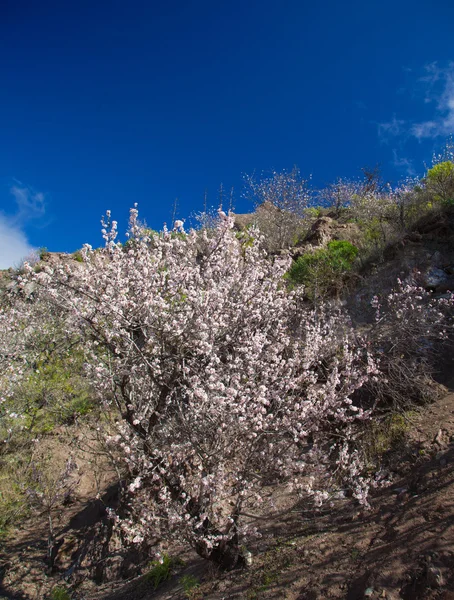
[(437, 280)]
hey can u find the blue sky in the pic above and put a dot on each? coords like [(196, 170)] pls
[(107, 103)]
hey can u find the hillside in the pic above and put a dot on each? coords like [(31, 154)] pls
[(398, 547)]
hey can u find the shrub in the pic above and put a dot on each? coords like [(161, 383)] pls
[(322, 271), (43, 253), (51, 392), (281, 202), (190, 585), (383, 436), (339, 195), (409, 328), (60, 593), (78, 256), (13, 504), (313, 212), (372, 212), (160, 571), (408, 204), (440, 182)]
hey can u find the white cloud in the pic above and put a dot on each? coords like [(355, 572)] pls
[(438, 85), (14, 245), (30, 207), (30, 203), (404, 164), (436, 88), (391, 129)]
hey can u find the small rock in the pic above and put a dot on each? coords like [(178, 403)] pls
[(434, 276), (437, 280), (438, 439), (369, 592), (434, 577)]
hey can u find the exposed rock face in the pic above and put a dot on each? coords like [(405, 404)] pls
[(266, 210), (323, 231), (326, 229), (52, 258)]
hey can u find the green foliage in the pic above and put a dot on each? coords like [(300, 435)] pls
[(190, 585), (385, 435), (440, 182), (43, 253), (78, 256), (342, 254), (148, 233), (178, 235), (246, 238), (313, 212), (160, 571), (13, 505), (322, 271), (441, 170), (374, 233), (60, 593), (54, 393)]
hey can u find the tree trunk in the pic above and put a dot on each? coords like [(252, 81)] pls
[(226, 554)]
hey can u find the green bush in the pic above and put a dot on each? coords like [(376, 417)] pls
[(382, 436), (60, 593), (151, 234), (375, 234), (78, 256), (313, 212), (342, 254), (55, 393), (13, 504), (322, 271), (440, 182), (160, 571), (190, 585), (43, 253)]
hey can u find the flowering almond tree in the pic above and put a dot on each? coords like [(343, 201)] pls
[(281, 200), (223, 379)]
